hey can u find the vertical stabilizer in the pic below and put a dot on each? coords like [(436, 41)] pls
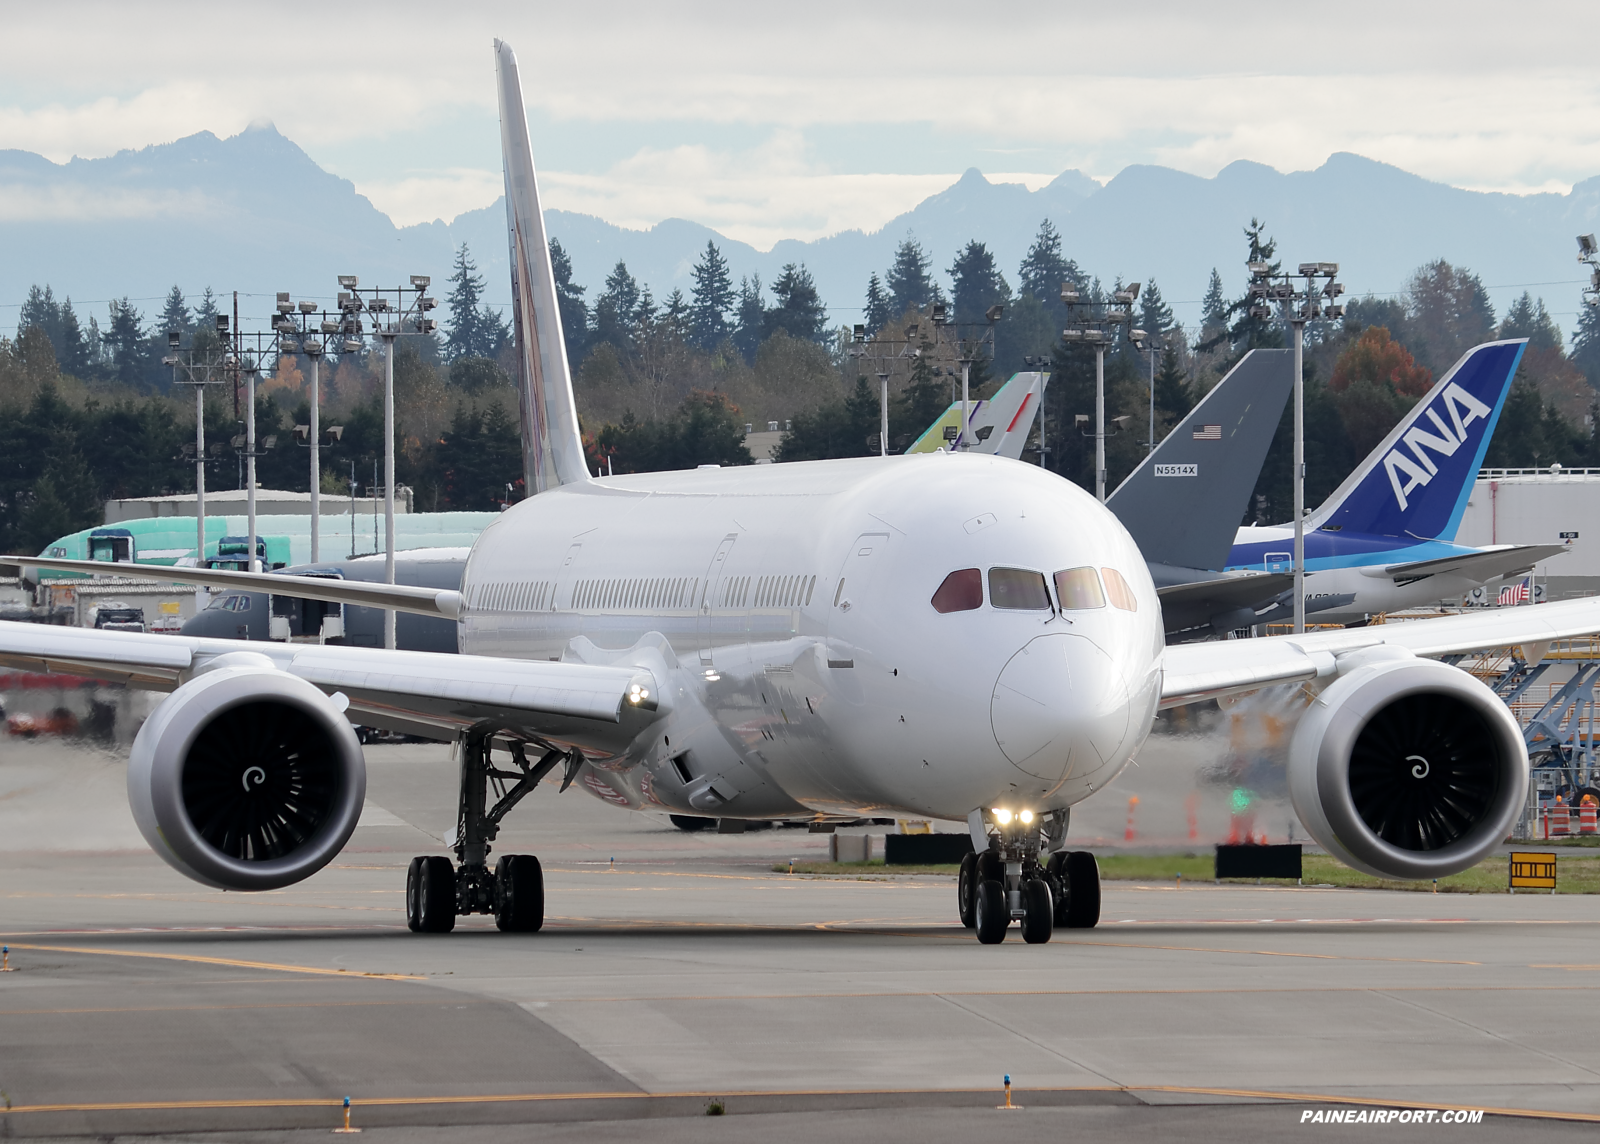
[(1415, 484), (1184, 502), (552, 450)]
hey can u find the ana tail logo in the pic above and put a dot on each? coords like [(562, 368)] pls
[(1463, 409)]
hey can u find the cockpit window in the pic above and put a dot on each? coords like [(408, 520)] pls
[(1018, 589), (961, 592), (1117, 589), (229, 604), (1078, 589)]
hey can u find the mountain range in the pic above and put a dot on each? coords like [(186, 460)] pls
[(254, 213)]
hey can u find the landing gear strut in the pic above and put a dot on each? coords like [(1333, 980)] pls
[(436, 891), (1006, 881)]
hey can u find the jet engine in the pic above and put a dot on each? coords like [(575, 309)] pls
[(246, 777), (1407, 767)]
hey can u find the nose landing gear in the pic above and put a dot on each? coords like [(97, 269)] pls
[(437, 891), (1006, 882)]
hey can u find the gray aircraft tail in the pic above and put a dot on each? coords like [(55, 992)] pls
[(1184, 502), (552, 450)]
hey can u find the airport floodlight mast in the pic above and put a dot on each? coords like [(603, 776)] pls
[(1095, 323), (406, 314), (1302, 297), (858, 353), (302, 328), (1041, 364), (969, 350), (1589, 255), (200, 368)]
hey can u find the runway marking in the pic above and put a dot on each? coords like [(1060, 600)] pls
[(257, 1005), (556, 1097), (1272, 953), (228, 961)]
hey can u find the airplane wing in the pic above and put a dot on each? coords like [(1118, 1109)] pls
[(1485, 564), (1193, 605), (401, 597), (1192, 672), (598, 708)]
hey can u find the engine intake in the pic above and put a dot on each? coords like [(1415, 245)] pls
[(246, 778), (1408, 768)]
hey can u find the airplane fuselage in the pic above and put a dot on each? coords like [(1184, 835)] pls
[(1353, 565), (790, 608)]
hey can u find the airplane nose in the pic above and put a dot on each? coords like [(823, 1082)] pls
[(1059, 704)]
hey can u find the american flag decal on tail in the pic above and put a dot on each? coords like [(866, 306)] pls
[(1208, 433)]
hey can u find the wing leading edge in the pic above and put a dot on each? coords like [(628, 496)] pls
[(1192, 672)]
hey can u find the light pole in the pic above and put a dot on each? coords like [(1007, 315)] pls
[(295, 322), (1039, 364), (1094, 323), (968, 353), (1300, 300), (388, 323), (199, 372), (1151, 343), (1589, 255)]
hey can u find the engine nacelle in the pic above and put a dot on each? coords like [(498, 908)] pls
[(1408, 768), (246, 777)]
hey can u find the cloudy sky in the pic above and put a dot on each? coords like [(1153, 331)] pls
[(819, 117)]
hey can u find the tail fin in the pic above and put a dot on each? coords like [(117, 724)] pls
[(552, 450), (1184, 502), (999, 425), (1416, 482)]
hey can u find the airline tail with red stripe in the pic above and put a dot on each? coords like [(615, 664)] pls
[(1002, 425)]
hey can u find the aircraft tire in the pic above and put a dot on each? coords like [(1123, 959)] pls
[(414, 895), (1038, 915), (1083, 890), (437, 895), (1055, 874), (690, 823), (519, 894), (993, 913), (967, 891)]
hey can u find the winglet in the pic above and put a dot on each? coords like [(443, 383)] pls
[(552, 450)]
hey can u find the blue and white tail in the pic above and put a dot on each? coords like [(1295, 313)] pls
[(552, 450), (1415, 484)]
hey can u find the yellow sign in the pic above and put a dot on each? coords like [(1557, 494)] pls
[(1532, 871), (169, 609)]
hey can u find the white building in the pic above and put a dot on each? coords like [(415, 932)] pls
[(1541, 506)]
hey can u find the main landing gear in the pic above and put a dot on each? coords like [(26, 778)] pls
[(437, 891), (1006, 882)]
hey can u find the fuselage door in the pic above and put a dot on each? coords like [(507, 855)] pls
[(862, 565), (706, 605)]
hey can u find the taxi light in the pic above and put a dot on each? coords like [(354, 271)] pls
[(1003, 817), (637, 694), (1025, 817)]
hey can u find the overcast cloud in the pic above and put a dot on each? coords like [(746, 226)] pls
[(820, 117)]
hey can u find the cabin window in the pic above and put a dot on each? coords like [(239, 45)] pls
[(1018, 589), (961, 592), (1078, 589), (1118, 591)]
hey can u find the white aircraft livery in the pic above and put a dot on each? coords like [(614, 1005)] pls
[(953, 636)]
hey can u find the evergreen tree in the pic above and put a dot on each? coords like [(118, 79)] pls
[(752, 317), (1249, 333), (799, 311), (174, 316), (645, 313), (466, 337), (978, 283), (1586, 344), (877, 308), (573, 309), (72, 348), (675, 316), (205, 313), (615, 312), (1527, 319), (39, 309), (59, 324), (1043, 268), (1173, 399), (1213, 309), (124, 340), (713, 299), (1155, 316), (909, 281), (1449, 312)]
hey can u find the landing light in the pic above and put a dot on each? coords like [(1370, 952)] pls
[(637, 694), (1025, 816), (1003, 817)]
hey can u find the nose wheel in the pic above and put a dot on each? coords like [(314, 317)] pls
[(1006, 882)]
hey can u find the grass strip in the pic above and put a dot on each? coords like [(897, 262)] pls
[(1574, 875)]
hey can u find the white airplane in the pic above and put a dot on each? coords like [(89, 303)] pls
[(950, 636)]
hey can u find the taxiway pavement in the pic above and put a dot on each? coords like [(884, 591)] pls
[(690, 972)]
